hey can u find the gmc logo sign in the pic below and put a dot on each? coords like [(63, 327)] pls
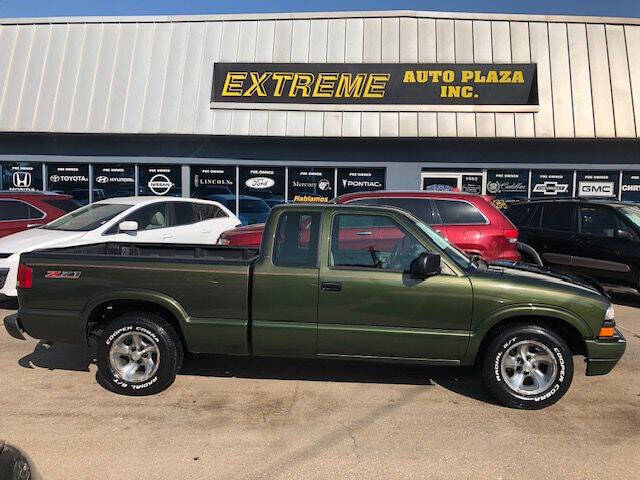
[(596, 189)]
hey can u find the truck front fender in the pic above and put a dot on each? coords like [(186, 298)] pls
[(548, 313)]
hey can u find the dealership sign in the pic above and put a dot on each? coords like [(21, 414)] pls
[(160, 180), (369, 86), (352, 180), (598, 184), (631, 186), (551, 183), (21, 176), (311, 185)]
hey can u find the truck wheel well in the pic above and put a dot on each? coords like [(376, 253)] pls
[(568, 332), (108, 311)]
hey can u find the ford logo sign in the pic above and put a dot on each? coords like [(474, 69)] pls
[(260, 183), (102, 179)]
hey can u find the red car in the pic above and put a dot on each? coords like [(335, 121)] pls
[(468, 221), (22, 210)]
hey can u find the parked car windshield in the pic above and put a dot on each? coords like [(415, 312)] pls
[(253, 206), (456, 255), (87, 218), (632, 213)]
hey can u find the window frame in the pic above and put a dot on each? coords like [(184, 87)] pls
[(17, 200), (113, 229), (369, 269), (436, 210), (618, 218), (274, 246), (573, 230), (434, 214)]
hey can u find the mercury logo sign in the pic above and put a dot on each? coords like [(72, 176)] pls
[(551, 188), (22, 179), (324, 184), (102, 179), (260, 183), (596, 189), (160, 184)]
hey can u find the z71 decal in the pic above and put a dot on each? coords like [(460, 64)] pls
[(67, 274)]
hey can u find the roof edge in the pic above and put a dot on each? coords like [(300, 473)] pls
[(320, 15)]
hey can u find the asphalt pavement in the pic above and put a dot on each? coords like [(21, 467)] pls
[(238, 418)]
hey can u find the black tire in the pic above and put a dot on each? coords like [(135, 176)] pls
[(557, 372), (158, 333)]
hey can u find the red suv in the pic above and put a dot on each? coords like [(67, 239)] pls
[(468, 221), (22, 210)]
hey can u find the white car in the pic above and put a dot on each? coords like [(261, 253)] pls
[(124, 219)]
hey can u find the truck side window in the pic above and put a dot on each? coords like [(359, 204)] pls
[(372, 241), (296, 241)]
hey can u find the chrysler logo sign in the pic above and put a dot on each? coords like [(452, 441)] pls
[(260, 183), (160, 184), (22, 179)]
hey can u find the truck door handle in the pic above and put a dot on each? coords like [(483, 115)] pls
[(364, 233), (331, 286)]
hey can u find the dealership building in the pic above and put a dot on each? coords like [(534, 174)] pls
[(304, 107)]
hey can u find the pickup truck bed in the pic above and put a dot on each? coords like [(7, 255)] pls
[(202, 284)]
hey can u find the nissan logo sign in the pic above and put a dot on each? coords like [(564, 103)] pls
[(160, 184), (260, 183)]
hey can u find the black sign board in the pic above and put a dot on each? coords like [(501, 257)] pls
[(311, 185), (352, 180), (72, 179), (551, 183), (472, 184), (507, 186), (439, 183), (597, 184), (21, 176), (160, 180), (113, 180), (631, 186), (376, 84), (266, 183), (214, 183)]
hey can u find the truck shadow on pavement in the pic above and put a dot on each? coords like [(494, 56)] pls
[(465, 381)]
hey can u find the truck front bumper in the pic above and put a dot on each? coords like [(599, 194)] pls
[(13, 326), (603, 355)]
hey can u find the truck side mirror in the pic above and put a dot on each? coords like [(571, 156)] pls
[(426, 265), (624, 234), (128, 226)]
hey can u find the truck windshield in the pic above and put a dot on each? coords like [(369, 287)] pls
[(456, 255), (87, 218), (632, 213)]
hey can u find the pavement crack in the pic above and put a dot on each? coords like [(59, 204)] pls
[(353, 441)]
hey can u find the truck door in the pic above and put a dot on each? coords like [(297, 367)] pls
[(285, 287), (370, 306)]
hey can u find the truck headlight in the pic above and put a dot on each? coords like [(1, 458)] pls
[(608, 328)]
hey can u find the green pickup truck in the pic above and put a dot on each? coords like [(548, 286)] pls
[(332, 281)]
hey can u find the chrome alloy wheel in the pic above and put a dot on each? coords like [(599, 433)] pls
[(134, 357), (529, 367)]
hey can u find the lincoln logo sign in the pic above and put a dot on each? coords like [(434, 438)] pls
[(392, 85)]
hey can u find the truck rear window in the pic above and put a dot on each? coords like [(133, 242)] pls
[(296, 241)]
